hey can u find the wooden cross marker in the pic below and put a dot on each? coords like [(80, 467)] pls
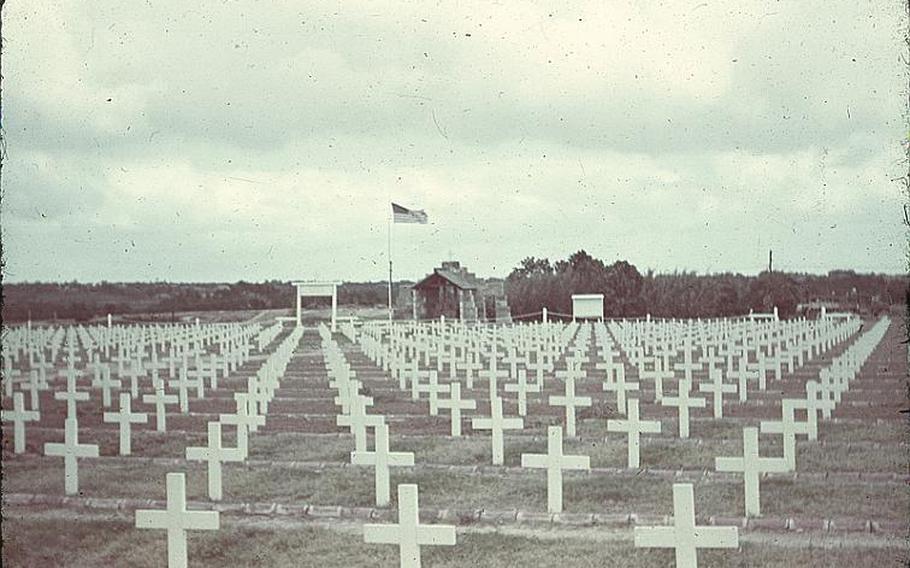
[(620, 386), (497, 424), (815, 404), (176, 520), (214, 454), (634, 428), (409, 534), (492, 373), (711, 359), (742, 374), (683, 403), (539, 366), (788, 427), (381, 458), (554, 461), (570, 401), (455, 404), (717, 387), (433, 389), (684, 536), (751, 466), (469, 366), (358, 420), (71, 395), (244, 420), (415, 376), (33, 388), (19, 416), (126, 418), (159, 399), (687, 366), (657, 375), (513, 359), (135, 372), (522, 387), (829, 391), (106, 382), (70, 450), (183, 384)]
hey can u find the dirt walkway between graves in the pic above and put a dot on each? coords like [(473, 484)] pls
[(599, 534)]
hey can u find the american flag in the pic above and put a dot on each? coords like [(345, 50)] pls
[(404, 215)]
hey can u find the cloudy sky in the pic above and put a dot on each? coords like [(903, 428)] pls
[(219, 141)]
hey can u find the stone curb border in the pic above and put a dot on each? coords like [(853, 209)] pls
[(471, 516)]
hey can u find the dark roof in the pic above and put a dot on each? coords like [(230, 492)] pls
[(454, 278)]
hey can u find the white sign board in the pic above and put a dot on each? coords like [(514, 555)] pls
[(587, 306)]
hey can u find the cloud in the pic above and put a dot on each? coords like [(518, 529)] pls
[(227, 141)]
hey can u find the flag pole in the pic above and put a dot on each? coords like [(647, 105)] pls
[(390, 267)]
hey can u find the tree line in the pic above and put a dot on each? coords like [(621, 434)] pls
[(84, 301), (537, 283), (532, 285)]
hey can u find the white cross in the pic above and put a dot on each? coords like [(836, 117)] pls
[(358, 420), (751, 466), (539, 366), (19, 416), (683, 403), (684, 536), (381, 458), (814, 405), (104, 380), (634, 427), (496, 424), (244, 420), (433, 388), (513, 360), (522, 387), (71, 396), (570, 402), (125, 417), (492, 374), (617, 382), (409, 534), (469, 366), (214, 454), (717, 387), (788, 427), (135, 372), (554, 461), (687, 366), (183, 384), (159, 399), (456, 405), (176, 520), (742, 375), (415, 376), (70, 450)]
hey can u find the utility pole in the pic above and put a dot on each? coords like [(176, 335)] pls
[(770, 260)]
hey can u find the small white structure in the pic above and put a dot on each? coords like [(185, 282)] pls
[(318, 289), (587, 306)]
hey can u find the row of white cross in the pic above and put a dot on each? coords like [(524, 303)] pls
[(251, 411), (683, 536)]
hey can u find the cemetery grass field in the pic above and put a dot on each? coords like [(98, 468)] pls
[(855, 472), (106, 541)]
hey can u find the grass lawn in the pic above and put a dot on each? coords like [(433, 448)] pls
[(522, 490), (115, 542)]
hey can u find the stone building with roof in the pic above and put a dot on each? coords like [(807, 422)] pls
[(454, 292)]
